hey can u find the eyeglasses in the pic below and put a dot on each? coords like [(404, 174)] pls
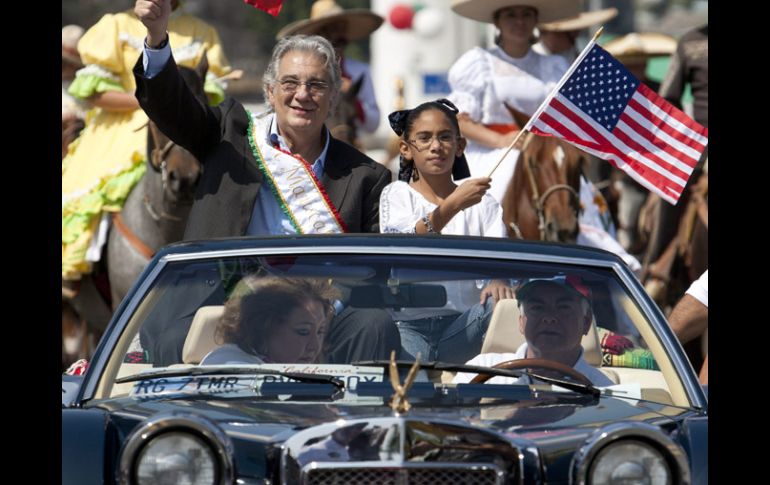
[(423, 142), (316, 88)]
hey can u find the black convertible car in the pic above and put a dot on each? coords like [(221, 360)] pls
[(176, 395)]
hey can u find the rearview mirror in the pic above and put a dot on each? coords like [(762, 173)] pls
[(401, 296)]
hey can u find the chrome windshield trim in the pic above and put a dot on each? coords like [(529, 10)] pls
[(399, 250), (584, 456)]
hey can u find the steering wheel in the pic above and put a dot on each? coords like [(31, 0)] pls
[(535, 363)]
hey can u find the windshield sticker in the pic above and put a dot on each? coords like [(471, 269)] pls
[(351, 375), (192, 384)]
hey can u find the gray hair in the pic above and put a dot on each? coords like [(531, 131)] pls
[(314, 44)]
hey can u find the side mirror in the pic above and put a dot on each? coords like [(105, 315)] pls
[(401, 296), (70, 385)]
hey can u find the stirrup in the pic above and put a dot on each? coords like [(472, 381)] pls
[(70, 289)]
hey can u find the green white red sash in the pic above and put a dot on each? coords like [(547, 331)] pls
[(294, 184)]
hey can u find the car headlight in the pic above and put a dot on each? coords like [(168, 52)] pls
[(176, 458), (177, 448), (630, 462)]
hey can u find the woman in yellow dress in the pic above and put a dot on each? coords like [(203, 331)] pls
[(108, 159)]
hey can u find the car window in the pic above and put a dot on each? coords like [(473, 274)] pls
[(281, 310)]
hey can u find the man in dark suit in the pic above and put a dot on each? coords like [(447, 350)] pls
[(279, 173)]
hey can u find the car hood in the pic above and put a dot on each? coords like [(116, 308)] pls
[(552, 426)]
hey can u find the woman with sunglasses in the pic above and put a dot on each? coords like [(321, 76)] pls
[(425, 200)]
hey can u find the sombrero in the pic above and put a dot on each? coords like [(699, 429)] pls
[(640, 46), (547, 10), (582, 21), (360, 22)]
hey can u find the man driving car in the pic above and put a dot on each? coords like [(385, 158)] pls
[(555, 314)]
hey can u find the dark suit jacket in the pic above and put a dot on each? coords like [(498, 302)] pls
[(230, 181)]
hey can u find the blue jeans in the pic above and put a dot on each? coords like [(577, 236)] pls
[(449, 338)]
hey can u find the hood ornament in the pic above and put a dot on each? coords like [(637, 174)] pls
[(398, 401)]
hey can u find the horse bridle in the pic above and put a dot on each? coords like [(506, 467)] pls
[(158, 163), (117, 219), (538, 201)]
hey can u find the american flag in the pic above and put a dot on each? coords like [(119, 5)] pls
[(603, 109)]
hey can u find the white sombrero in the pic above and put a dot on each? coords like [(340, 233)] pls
[(640, 46), (547, 10), (360, 22), (582, 21)]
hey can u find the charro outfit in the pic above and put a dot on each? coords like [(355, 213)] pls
[(455, 332), (481, 81), (689, 64), (108, 158)]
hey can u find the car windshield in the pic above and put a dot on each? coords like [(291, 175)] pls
[(344, 315)]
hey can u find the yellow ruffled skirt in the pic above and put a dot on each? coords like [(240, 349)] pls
[(98, 173)]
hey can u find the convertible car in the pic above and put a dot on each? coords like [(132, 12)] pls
[(156, 407)]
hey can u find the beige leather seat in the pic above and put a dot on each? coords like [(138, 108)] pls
[(200, 338), (503, 334)]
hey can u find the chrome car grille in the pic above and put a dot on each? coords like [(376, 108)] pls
[(402, 476)]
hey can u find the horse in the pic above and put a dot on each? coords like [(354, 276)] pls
[(542, 201), (154, 214), (342, 120)]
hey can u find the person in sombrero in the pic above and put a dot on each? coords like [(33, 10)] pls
[(340, 26), (559, 37), (108, 159), (511, 72)]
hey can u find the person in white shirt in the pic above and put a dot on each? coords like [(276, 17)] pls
[(427, 201), (555, 315), (690, 317)]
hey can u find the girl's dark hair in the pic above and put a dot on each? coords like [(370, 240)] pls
[(402, 121)]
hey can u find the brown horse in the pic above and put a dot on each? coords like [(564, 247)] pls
[(542, 201), (154, 215)]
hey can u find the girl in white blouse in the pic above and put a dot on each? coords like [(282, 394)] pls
[(426, 200)]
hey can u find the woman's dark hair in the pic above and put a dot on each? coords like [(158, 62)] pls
[(402, 121), (260, 303)]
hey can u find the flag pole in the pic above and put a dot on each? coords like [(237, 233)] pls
[(545, 102)]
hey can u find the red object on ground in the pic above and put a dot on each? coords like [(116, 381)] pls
[(401, 16)]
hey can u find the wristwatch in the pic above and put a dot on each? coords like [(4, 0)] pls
[(160, 46)]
